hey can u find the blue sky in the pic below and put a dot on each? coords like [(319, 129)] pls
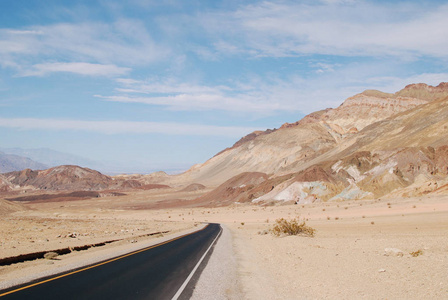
[(154, 85)]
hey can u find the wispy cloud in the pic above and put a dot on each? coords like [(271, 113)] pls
[(125, 127), (261, 97), (194, 102), (333, 27), (124, 42), (192, 97), (77, 68)]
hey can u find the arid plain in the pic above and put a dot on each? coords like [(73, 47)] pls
[(349, 257)]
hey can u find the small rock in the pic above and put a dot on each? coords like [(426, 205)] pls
[(50, 255), (381, 270), (393, 252), (73, 235)]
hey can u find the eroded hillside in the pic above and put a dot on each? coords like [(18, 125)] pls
[(373, 145)]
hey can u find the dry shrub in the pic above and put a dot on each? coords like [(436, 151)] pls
[(51, 255), (292, 227), (416, 253)]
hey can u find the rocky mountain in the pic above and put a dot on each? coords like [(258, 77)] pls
[(296, 146), (373, 145), (10, 162), (65, 178)]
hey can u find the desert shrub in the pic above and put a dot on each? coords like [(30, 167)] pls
[(416, 253), (291, 227), (50, 255)]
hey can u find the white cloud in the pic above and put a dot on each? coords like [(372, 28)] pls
[(125, 127), (124, 42), (332, 27), (77, 68), (194, 102), (260, 97), (168, 86), (246, 98)]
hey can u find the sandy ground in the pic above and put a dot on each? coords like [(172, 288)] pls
[(345, 260)]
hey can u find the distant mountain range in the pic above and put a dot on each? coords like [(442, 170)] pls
[(11, 162), (43, 158), (51, 158)]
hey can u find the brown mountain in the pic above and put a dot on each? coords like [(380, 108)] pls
[(373, 145), (296, 146), (67, 178)]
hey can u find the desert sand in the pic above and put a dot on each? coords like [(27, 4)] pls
[(348, 258)]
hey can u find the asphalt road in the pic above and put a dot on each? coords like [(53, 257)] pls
[(156, 272)]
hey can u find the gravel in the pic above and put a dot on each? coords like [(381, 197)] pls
[(218, 280)]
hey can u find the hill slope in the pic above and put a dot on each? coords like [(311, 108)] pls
[(294, 147), (373, 145), (64, 178)]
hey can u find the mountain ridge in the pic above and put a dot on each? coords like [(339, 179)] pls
[(11, 162), (374, 144), (280, 151)]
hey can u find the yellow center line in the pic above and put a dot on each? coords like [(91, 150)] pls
[(102, 263)]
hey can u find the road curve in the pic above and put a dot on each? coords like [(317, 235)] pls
[(156, 272)]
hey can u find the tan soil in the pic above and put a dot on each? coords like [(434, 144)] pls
[(345, 260)]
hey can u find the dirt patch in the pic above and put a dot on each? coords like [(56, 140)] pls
[(7, 207), (79, 195), (193, 187), (153, 186)]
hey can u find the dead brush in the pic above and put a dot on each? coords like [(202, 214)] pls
[(292, 227), (416, 253)]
